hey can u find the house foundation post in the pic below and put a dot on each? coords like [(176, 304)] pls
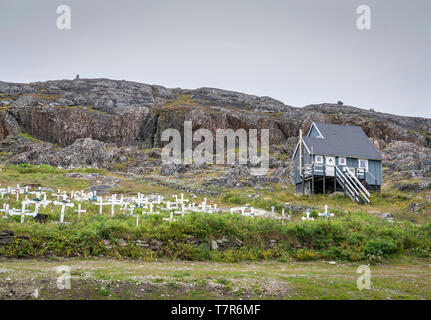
[(335, 179), (324, 181)]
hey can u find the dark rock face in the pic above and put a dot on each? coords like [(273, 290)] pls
[(223, 98), (101, 122), (83, 152), (130, 113), (8, 125), (63, 125), (407, 156)]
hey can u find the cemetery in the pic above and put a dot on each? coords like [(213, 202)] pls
[(44, 222), (206, 232)]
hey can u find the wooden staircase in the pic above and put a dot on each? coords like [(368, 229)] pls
[(351, 186)]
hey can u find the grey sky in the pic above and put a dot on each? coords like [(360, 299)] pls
[(299, 52)]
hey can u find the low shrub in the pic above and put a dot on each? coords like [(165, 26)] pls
[(351, 237)]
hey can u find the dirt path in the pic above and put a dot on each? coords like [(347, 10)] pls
[(115, 279)]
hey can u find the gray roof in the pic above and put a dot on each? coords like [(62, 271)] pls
[(339, 140)]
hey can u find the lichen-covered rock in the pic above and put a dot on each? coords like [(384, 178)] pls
[(8, 125), (83, 152), (171, 169)]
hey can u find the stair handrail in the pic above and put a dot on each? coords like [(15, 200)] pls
[(347, 189), (364, 197), (347, 183), (357, 181)]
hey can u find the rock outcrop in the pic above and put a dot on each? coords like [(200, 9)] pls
[(101, 122), (130, 113)]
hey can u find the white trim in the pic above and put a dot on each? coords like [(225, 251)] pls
[(366, 162), (296, 149), (314, 125), (344, 162), (319, 162)]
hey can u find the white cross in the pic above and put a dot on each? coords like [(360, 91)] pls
[(5, 210), (307, 216), (79, 211), (64, 197), (112, 207), (57, 194), (100, 205), (45, 202), (63, 206), (23, 212), (171, 218), (26, 192), (131, 209), (17, 192), (326, 214), (203, 205)]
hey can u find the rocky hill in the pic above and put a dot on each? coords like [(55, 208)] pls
[(105, 122)]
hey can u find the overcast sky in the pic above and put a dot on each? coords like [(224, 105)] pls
[(298, 51)]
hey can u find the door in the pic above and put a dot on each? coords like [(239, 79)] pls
[(330, 166)]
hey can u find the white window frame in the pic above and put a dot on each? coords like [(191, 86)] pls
[(344, 161), (366, 164), (319, 162)]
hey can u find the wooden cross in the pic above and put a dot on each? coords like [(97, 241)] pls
[(307, 216), (23, 212), (137, 219), (45, 202), (57, 194), (100, 205), (63, 206), (171, 218), (79, 211), (17, 192), (5, 210), (326, 214)]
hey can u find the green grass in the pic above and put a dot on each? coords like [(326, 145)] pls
[(29, 137), (45, 176), (389, 200), (400, 278), (350, 237)]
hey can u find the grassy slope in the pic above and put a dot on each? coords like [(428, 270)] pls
[(355, 234)]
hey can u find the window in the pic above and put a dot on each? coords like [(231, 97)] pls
[(363, 164), (342, 161), (319, 159)]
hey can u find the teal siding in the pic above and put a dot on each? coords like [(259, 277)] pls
[(375, 168), (352, 163)]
